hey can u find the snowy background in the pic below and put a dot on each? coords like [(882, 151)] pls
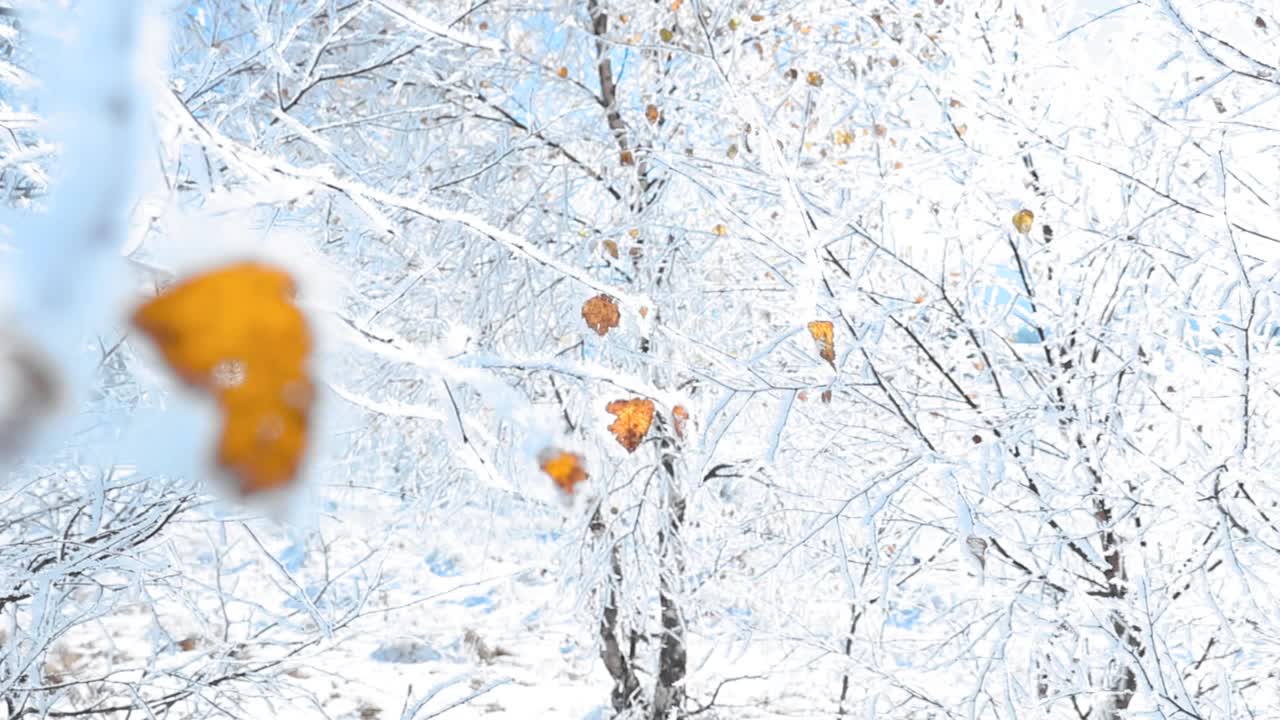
[(1035, 479)]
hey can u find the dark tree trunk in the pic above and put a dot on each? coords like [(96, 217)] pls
[(669, 689)]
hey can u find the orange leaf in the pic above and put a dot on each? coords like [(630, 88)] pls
[(823, 333), (633, 419), (720, 230), (611, 247), (236, 334), (565, 468), (601, 314), (563, 72), (680, 417), (651, 114), (626, 158)]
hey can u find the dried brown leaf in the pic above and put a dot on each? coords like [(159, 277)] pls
[(601, 314), (634, 417)]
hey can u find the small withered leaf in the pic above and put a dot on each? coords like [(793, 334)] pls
[(823, 333), (680, 416), (601, 314), (1023, 220)]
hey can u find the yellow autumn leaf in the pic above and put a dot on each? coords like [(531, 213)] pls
[(563, 72), (823, 333), (1023, 220), (601, 314), (634, 417), (236, 334)]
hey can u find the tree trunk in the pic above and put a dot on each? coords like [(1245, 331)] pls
[(669, 690), (625, 684)]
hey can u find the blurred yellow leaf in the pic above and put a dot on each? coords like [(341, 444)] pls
[(611, 247), (563, 72), (601, 314), (823, 333), (633, 420), (30, 390), (564, 467), (666, 35), (815, 78), (236, 334), (720, 230)]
